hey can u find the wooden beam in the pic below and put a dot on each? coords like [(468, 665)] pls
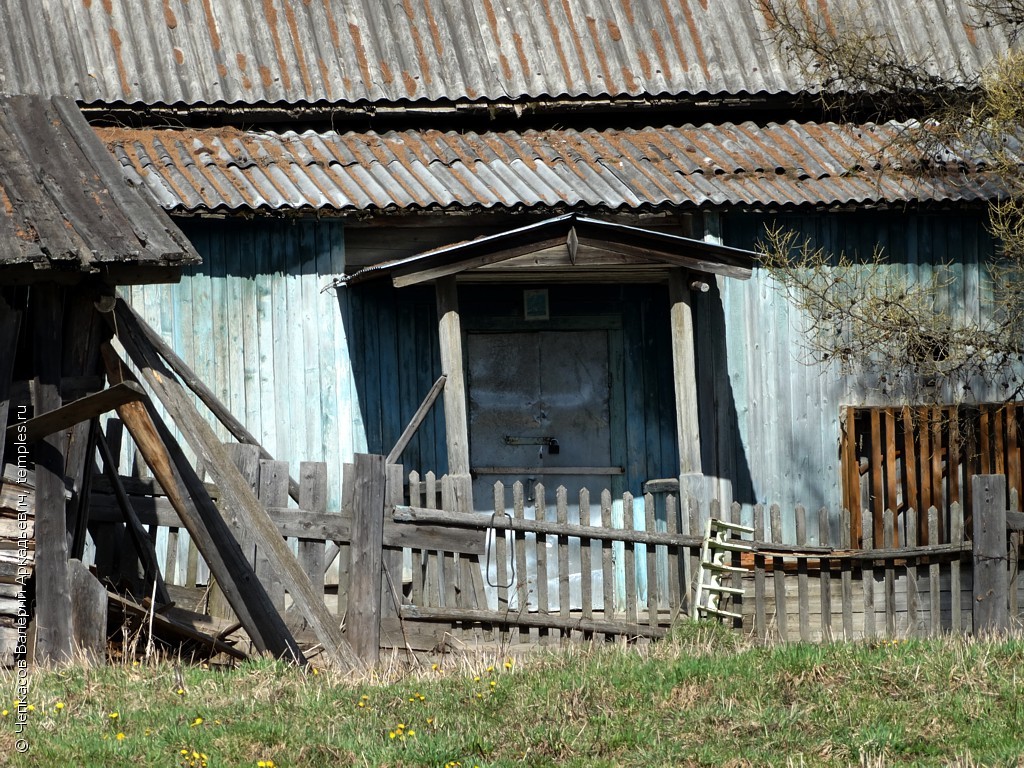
[(203, 392), (525, 619), (420, 273), (84, 409), (89, 613), (991, 576), (140, 538), (202, 519), (457, 426), (237, 498), (308, 524), (176, 627), (455, 520), (10, 325), (84, 332), (416, 420), (54, 639), (684, 373)]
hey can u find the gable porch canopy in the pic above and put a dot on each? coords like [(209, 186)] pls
[(570, 246)]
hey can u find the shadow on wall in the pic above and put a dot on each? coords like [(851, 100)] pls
[(723, 455), (393, 346)]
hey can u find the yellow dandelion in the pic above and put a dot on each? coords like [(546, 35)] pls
[(411, 733), (508, 664), (31, 707), (184, 752), (180, 691), (59, 706), (434, 667), (316, 671), (493, 683), (5, 713), (120, 736), (476, 679), (364, 697), (391, 735), (197, 721), (430, 721), (114, 715), (479, 695), (490, 669)]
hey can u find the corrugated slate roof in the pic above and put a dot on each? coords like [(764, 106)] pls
[(344, 51), (710, 165), (64, 205)]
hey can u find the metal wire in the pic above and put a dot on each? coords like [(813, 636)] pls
[(512, 555)]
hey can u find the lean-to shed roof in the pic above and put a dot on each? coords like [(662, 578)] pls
[(66, 208), (689, 166), (187, 52)]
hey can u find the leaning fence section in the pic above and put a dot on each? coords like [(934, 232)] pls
[(551, 568), (795, 591)]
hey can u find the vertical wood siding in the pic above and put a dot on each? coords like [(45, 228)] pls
[(785, 412), (254, 322)]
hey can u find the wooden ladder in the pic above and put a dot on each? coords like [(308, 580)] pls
[(717, 546)]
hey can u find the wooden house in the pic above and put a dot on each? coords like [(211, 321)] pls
[(551, 204)]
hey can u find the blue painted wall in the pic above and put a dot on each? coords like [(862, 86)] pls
[(258, 327), (319, 375), (771, 420)]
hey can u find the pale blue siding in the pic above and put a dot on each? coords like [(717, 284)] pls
[(784, 410), (258, 327)]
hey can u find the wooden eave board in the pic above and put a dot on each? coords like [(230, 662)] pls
[(544, 242)]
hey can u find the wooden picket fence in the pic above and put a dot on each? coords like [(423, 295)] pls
[(408, 572)]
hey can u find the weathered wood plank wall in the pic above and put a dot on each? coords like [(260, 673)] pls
[(774, 426), (256, 325)]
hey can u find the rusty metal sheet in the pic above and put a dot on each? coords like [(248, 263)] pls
[(688, 166), (172, 52)]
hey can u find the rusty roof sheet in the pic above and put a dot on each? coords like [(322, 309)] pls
[(690, 166), (65, 205), (171, 52)]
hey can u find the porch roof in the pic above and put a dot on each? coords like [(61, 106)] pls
[(565, 245)]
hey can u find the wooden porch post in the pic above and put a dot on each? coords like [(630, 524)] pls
[(685, 378), (456, 423)]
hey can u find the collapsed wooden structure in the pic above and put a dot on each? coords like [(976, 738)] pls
[(70, 232)]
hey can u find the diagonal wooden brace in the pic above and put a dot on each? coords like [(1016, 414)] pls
[(236, 496)]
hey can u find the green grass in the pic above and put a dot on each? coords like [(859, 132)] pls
[(702, 698)]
